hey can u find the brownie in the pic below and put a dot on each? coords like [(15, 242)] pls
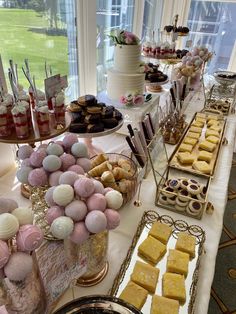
[(94, 128), (107, 112), (76, 117), (87, 100), (92, 118), (78, 128), (110, 123), (117, 115)]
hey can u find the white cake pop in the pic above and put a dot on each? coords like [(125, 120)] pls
[(19, 266), (63, 194), (23, 173), (7, 205), (24, 215), (62, 227), (9, 226), (52, 163), (79, 150), (55, 149), (114, 199)]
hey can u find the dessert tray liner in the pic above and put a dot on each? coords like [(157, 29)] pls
[(174, 163), (123, 277)]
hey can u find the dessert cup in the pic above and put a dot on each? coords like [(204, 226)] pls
[(42, 115), (4, 129), (20, 119)]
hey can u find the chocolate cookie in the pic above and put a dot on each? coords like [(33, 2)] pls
[(76, 117), (94, 128), (74, 107), (87, 100), (107, 112), (94, 109), (117, 115), (92, 118), (78, 128), (110, 123)]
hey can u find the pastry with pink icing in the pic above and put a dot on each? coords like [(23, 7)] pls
[(54, 212), (96, 201), (84, 187), (29, 238), (36, 158), (80, 233)]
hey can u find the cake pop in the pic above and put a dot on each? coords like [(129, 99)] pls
[(24, 152), (4, 253), (24, 215), (55, 149), (99, 188), (60, 143), (77, 169), (63, 194), (80, 233), (69, 140), (29, 238), (36, 158), (26, 163), (22, 174), (7, 205), (19, 266), (85, 163), (62, 227), (108, 189), (38, 177), (52, 163), (96, 202), (54, 178), (114, 199), (49, 197), (53, 213), (84, 187), (76, 210), (96, 221), (79, 150), (67, 161), (43, 147), (9, 225), (68, 177), (113, 218)]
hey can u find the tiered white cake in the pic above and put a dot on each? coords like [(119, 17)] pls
[(125, 76)]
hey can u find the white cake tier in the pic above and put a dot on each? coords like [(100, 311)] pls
[(119, 84), (127, 58)]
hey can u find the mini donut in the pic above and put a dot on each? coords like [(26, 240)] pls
[(163, 199), (167, 191), (181, 203), (180, 208), (174, 184), (183, 194), (184, 184), (193, 189), (194, 208), (171, 200)]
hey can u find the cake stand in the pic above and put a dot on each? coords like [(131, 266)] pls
[(31, 140)]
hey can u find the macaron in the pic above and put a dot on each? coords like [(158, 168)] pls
[(96, 221), (62, 227), (29, 238), (76, 210), (63, 194), (80, 233), (84, 187), (114, 199), (113, 218), (19, 266), (38, 177), (54, 212)]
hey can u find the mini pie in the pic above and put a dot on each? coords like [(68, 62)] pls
[(186, 243), (202, 166), (211, 133), (193, 135), (185, 148), (185, 158), (206, 156), (173, 287), (134, 294), (145, 276), (152, 250), (213, 139), (174, 184), (195, 129), (208, 146), (162, 305), (191, 141), (177, 262), (160, 231)]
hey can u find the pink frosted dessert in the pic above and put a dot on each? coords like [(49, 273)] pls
[(85, 163), (113, 218), (69, 140), (38, 177), (4, 254), (80, 233), (53, 213), (99, 188), (20, 119), (8, 103), (67, 161), (76, 210), (96, 221), (96, 202), (28, 112), (84, 187), (42, 114), (68, 177), (77, 169), (36, 158), (29, 238), (59, 108), (19, 266), (54, 178), (4, 128)]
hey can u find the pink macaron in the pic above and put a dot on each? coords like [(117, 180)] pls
[(54, 212), (84, 187), (113, 218), (96, 201), (80, 233), (29, 238), (38, 177)]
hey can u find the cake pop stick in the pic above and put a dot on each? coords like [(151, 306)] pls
[(12, 70)]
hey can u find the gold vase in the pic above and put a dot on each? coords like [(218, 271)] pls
[(95, 251)]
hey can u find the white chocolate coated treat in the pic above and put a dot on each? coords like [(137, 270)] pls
[(9, 226), (62, 227), (63, 194), (24, 215), (114, 199)]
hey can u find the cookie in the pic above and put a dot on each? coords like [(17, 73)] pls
[(107, 112), (78, 128), (193, 189), (94, 128), (110, 123), (76, 117), (74, 107), (92, 118), (87, 100), (117, 115), (94, 109)]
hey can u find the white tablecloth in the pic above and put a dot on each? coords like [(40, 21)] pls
[(120, 239)]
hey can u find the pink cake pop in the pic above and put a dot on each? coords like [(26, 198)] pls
[(42, 147), (49, 197), (7, 205), (29, 238), (24, 152), (113, 218), (4, 253), (52, 163), (36, 158), (96, 221), (84, 187), (99, 188), (80, 233), (69, 140), (2, 276), (53, 213), (54, 178), (77, 169), (96, 202), (68, 177), (85, 163), (38, 177), (76, 210), (60, 143), (67, 161), (26, 162), (19, 266)]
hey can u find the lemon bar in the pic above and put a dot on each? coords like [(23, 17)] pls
[(211, 133), (185, 158), (160, 231), (201, 115), (199, 119), (215, 128), (177, 262), (212, 122), (185, 148), (206, 156), (213, 139), (195, 129), (162, 305), (193, 135), (145, 276), (152, 250), (186, 243), (205, 145), (212, 117), (202, 166), (198, 124), (173, 287), (134, 294), (191, 141)]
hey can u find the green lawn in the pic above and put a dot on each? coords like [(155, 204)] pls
[(17, 42)]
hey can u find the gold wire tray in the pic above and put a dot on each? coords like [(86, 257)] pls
[(149, 217), (173, 160)]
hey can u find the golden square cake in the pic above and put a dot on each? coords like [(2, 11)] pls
[(173, 287), (201, 115), (213, 139), (152, 250), (191, 141), (162, 305), (202, 166), (206, 156), (160, 231), (211, 133), (177, 262), (199, 119), (186, 243), (185, 158), (195, 129), (185, 148), (215, 128), (198, 124), (212, 117), (194, 135), (134, 294), (208, 146), (145, 276)]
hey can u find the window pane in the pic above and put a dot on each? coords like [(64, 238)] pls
[(111, 15), (212, 24), (40, 31), (152, 17)]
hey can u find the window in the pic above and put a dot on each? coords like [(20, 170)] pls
[(152, 17), (40, 31)]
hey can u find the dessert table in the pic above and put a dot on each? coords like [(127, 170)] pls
[(121, 238)]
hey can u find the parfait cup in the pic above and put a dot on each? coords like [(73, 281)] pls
[(42, 115), (60, 114), (21, 121), (4, 129)]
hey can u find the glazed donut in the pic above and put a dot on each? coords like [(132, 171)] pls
[(193, 189)]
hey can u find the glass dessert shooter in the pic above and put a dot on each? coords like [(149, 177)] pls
[(59, 108), (42, 115), (4, 129), (20, 119)]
